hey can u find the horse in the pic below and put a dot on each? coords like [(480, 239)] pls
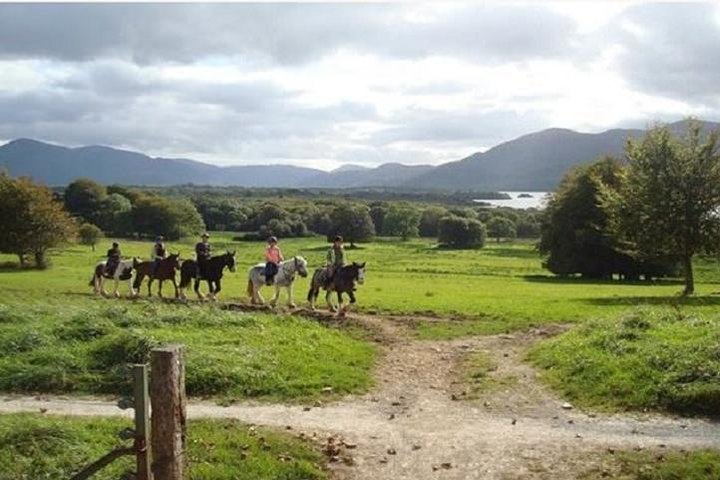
[(343, 282), (213, 274), (122, 272), (165, 270), (284, 278)]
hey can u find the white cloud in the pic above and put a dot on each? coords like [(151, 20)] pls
[(321, 85)]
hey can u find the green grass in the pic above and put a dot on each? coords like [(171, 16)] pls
[(71, 344), (498, 288), (39, 447), (646, 359), (658, 465)]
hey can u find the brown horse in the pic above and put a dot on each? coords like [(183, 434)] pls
[(342, 282), (165, 271)]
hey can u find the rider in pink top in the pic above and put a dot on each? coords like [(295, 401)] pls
[(273, 257)]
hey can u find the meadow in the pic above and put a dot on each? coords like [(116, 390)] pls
[(636, 345)]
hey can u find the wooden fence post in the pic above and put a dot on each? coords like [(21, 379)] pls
[(142, 422), (167, 396)]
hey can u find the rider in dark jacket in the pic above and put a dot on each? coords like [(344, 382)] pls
[(113, 259), (203, 251), (158, 254)]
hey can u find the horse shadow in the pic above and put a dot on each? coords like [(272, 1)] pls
[(673, 301), (570, 280)]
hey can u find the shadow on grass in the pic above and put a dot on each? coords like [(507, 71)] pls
[(10, 267), (595, 281), (509, 252), (656, 301)]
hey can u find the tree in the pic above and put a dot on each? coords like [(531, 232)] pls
[(401, 221), (527, 228), (667, 204), (461, 232), (430, 220), (501, 227), (89, 234), (32, 221), (353, 222), (173, 218), (115, 215), (84, 198), (378, 212)]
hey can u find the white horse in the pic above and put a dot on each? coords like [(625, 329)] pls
[(122, 272), (284, 278)]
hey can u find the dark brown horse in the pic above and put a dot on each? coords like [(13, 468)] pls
[(165, 270), (342, 282)]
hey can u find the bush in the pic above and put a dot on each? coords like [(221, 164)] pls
[(461, 232), (89, 234)]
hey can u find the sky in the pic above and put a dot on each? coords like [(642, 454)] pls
[(320, 85)]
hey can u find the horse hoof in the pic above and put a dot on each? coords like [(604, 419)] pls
[(292, 305)]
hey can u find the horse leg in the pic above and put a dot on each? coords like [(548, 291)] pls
[(291, 303), (352, 300), (175, 286), (330, 306), (116, 292), (196, 287), (274, 300), (218, 287), (150, 282), (160, 288)]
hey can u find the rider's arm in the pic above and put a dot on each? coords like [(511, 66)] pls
[(329, 260)]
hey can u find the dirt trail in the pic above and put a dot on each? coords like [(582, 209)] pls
[(412, 426)]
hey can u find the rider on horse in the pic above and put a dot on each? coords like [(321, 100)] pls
[(273, 257), (203, 252), (113, 259), (158, 254), (334, 260)]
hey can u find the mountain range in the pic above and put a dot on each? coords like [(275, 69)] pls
[(533, 162)]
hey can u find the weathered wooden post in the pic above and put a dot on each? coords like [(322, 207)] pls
[(142, 422), (167, 396)]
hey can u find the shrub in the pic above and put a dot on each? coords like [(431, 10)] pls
[(461, 232)]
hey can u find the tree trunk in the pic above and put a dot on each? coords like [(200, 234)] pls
[(93, 247), (40, 261), (689, 279)]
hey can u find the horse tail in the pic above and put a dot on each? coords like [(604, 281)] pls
[(314, 288), (186, 273), (250, 289)]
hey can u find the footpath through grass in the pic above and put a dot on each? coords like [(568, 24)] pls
[(66, 344), (646, 359), (53, 448)]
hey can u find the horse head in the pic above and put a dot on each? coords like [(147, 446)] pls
[(359, 272), (174, 260), (300, 266), (230, 260)]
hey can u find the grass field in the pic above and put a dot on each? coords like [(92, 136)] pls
[(500, 287), (38, 447)]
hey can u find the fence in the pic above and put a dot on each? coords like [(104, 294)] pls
[(163, 458)]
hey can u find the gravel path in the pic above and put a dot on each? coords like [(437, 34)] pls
[(415, 425)]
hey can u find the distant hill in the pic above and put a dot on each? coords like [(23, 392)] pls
[(533, 162), (56, 165), (386, 175)]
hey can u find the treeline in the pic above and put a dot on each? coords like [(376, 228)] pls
[(647, 216), (126, 212)]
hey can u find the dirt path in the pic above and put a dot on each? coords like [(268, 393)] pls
[(413, 426)]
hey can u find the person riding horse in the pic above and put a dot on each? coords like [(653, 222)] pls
[(203, 252), (334, 260), (113, 259), (273, 257), (158, 254)]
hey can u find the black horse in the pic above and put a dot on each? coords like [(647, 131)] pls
[(212, 275), (342, 282)]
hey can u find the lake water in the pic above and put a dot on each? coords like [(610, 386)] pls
[(536, 200)]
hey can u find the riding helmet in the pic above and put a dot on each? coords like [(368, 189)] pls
[(338, 238), (273, 239), (205, 235)]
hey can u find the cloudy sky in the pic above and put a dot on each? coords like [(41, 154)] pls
[(320, 85)]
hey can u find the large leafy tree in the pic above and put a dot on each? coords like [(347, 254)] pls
[(430, 221), (668, 202), (461, 232), (84, 198), (501, 227), (353, 222), (402, 221), (173, 218), (32, 221)]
